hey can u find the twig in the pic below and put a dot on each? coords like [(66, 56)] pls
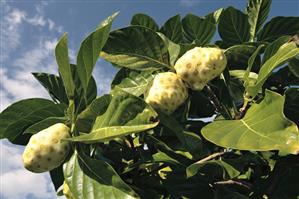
[(240, 183), (212, 156)]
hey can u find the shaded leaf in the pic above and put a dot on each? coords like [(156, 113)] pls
[(173, 29), (144, 20), (263, 128), (291, 107), (173, 49), (273, 47), (294, 66), (43, 124), (57, 177), (136, 47)]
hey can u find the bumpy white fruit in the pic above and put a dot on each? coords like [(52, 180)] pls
[(46, 150), (167, 92), (199, 65)]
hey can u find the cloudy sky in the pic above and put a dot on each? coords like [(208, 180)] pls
[(29, 32)]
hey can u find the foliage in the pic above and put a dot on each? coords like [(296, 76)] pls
[(123, 148)]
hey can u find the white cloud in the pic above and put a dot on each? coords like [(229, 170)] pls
[(189, 3)]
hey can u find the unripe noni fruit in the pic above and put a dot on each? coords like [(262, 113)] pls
[(67, 192), (46, 150), (167, 92), (199, 65)]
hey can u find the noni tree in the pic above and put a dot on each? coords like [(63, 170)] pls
[(187, 116)]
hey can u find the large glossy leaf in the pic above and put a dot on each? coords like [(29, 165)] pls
[(197, 30), (283, 54), (43, 124), (277, 27), (144, 20), (174, 49), (132, 81), (90, 49), (273, 47), (22, 114), (173, 29), (136, 47), (263, 128), (233, 26), (214, 16), (54, 86), (291, 107), (93, 179), (126, 114), (238, 55), (257, 11), (64, 68), (215, 167)]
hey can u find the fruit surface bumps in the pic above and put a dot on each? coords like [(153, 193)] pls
[(67, 192), (46, 150), (199, 65), (167, 92)]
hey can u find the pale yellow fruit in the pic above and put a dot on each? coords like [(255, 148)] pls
[(167, 92), (46, 150), (67, 192), (199, 65)]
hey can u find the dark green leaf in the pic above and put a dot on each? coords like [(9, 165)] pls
[(273, 47), (22, 114), (131, 81), (144, 20), (263, 128), (172, 29), (291, 107), (233, 26), (93, 179), (90, 49), (64, 68), (54, 86), (214, 16), (257, 11), (173, 49), (57, 177), (294, 66), (43, 124), (136, 47), (277, 27), (198, 30)]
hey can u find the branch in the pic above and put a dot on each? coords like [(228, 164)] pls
[(240, 183), (210, 157)]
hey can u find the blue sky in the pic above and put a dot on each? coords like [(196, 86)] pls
[(29, 32)]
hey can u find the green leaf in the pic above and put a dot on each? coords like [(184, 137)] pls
[(277, 27), (132, 81), (198, 30), (22, 114), (284, 53), (257, 11), (92, 179), (215, 167), (214, 16), (64, 68), (173, 49), (54, 86), (144, 20), (233, 26), (238, 56), (90, 49), (173, 29), (57, 177), (126, 114), (273, 47), (294, 66), (43, 124), (291, 107), (263, 128), (136, 47)]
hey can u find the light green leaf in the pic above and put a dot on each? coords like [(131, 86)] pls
[(277, 27), (233, 26), (136, 47), (22, 114), (132, 81), (198, 30), (93, 179), (263, 128), (173, 49), (173, 29), (54, 86), (144, 20), (227, 170), (126, 114), (64, 68), (43, 124), (284, 53), (257, 11), (273, 47), (90, 49)]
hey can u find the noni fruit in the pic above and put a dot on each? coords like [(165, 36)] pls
[(67, 192), (199, 65), (46, 150), (167, 92)]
